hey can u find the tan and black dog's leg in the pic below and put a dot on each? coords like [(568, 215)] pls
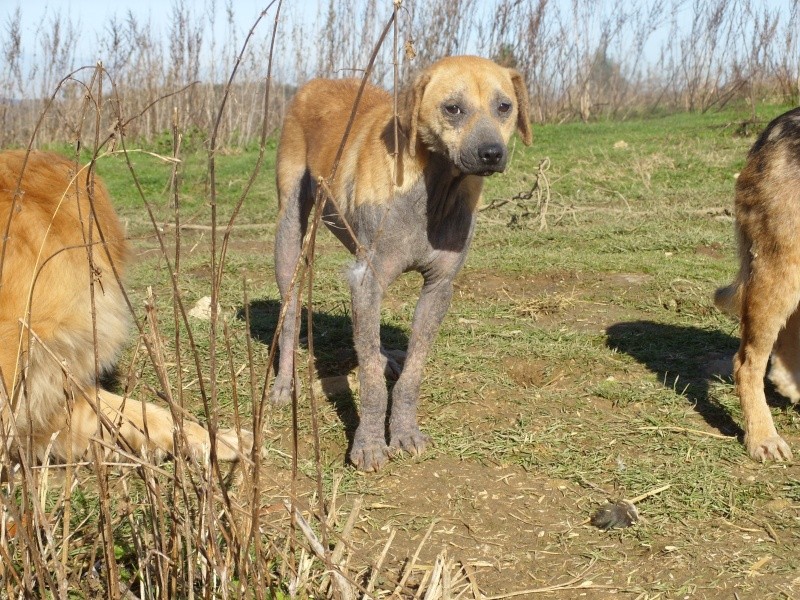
[(404, 432), (764, 314)]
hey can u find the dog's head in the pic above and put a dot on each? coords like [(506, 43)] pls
[(467, 108)]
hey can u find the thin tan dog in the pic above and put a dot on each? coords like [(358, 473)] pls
[(410, 204), (766, 293), (47, 345)]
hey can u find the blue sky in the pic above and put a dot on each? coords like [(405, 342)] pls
[(93, 15)]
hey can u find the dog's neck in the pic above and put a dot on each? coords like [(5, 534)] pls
[(448, 189)]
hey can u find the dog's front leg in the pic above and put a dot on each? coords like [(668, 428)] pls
[(369, 451), (431, 308)]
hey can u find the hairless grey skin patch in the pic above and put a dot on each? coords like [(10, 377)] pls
[(424, 224)]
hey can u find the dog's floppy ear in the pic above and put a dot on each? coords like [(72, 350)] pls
[(409, 109), (523, 107)]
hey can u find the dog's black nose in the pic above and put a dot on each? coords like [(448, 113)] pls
[(491, 154)]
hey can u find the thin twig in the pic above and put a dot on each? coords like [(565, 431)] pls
[(572, 584), (677, 429)]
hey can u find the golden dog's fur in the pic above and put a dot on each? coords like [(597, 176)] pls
[(766, 293), (409, 199), (47, 344)]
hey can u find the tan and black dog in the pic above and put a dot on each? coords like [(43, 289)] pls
[(415, 214), (766, 293)]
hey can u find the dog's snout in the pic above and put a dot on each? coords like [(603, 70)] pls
[(491, 154)]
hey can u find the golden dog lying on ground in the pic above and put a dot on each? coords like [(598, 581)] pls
[(48, 389), (412, 212), (766, 293)]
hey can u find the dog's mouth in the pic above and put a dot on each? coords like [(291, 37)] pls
[(471, 163), (480, 171), (472, 167)]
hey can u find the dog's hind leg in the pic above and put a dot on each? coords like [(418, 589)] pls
[(764, 314), (296, 204), (393, 361), (784, 372)]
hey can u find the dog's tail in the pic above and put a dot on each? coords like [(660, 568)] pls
[(729, 298)]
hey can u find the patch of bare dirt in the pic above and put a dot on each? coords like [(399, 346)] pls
[(583, 302), (531, 372), (714, 250), (525, 534)]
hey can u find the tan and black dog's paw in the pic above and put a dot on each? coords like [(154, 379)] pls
[(769, 448)]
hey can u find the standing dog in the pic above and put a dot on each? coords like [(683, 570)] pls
[(411, 212), (766, 293), (48, 392)]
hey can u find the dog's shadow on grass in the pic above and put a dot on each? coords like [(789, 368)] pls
[(686, 359), (334, 355)]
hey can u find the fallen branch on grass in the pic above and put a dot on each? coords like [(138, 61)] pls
[(673, 428), (576, 583), (540, 189)]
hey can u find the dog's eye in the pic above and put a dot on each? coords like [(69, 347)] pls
[(453, 109), (504, 107)]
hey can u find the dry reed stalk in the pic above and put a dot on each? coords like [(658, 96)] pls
[(629, 57)]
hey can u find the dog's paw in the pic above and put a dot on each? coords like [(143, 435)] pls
[(229, 442), (785, 381), (413, 441), (769, 448), (369, 456), (281, 393)]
